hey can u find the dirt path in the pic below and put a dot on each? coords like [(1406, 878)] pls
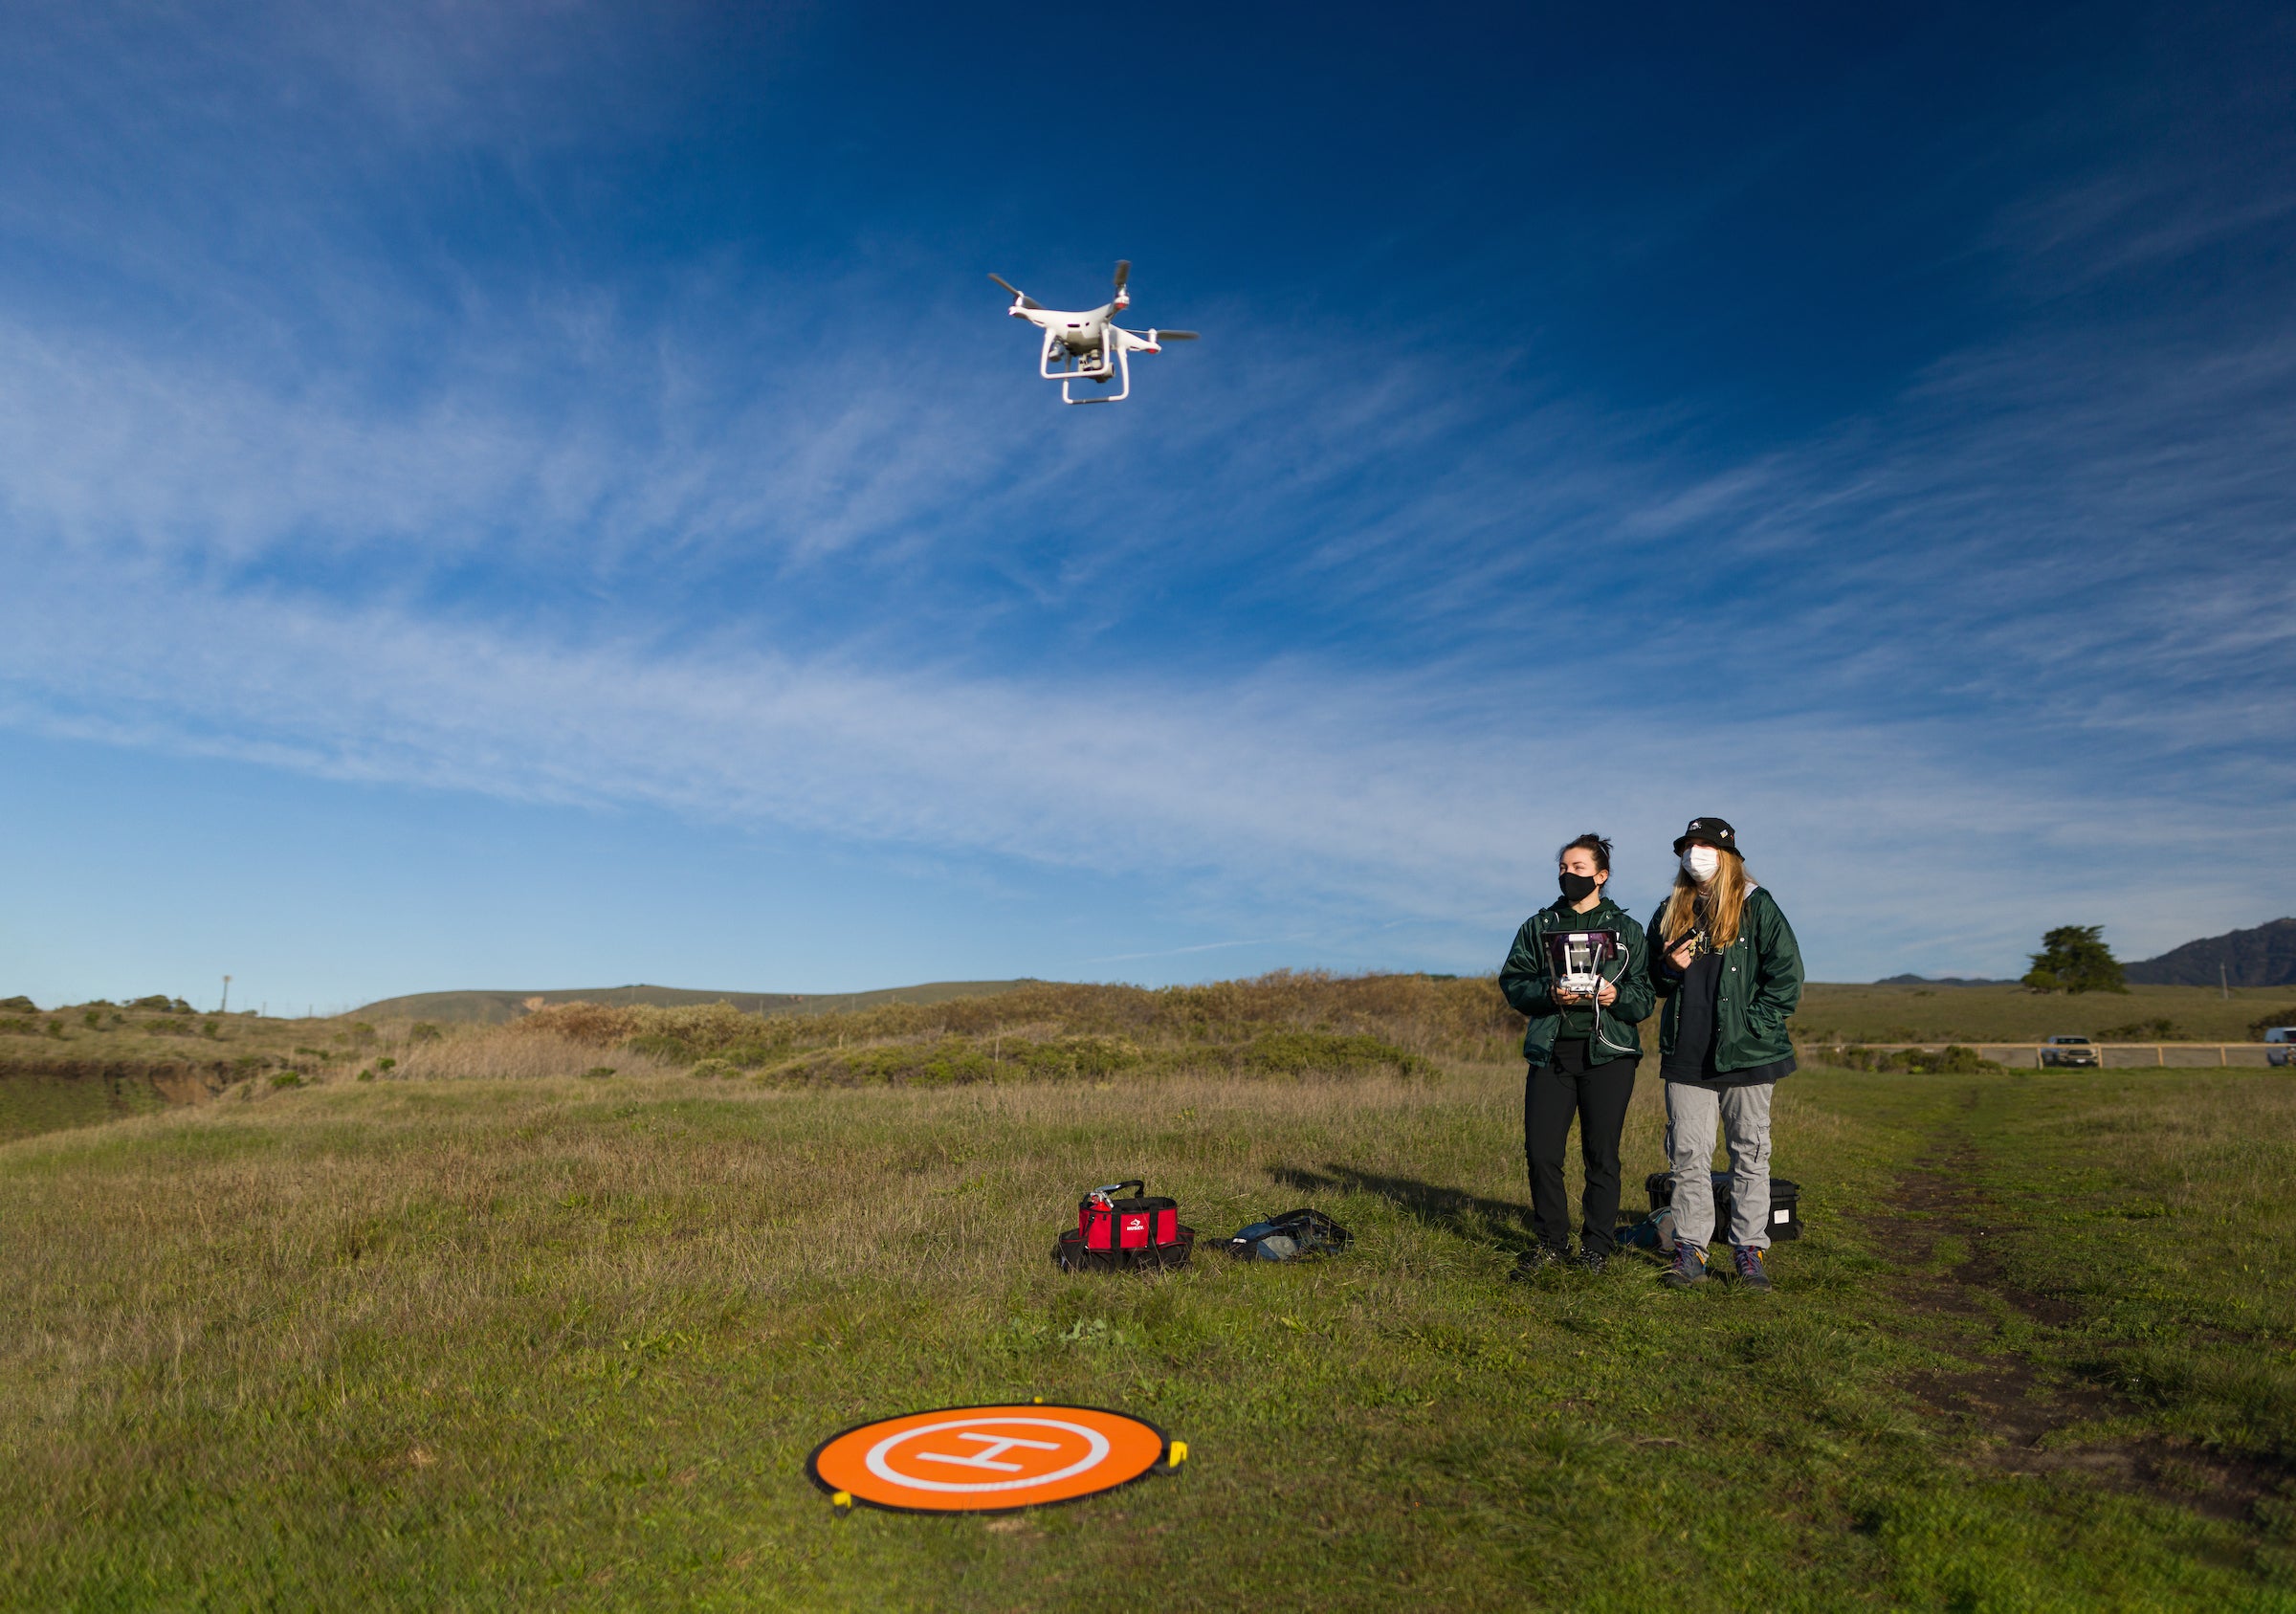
[(2028, 1414)]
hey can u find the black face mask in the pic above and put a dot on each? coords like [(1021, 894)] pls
[(1576, 887)]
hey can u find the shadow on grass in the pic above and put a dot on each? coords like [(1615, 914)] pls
[(1450, 1210)]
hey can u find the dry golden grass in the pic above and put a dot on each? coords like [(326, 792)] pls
[(518, 1052), (1457, 1018)]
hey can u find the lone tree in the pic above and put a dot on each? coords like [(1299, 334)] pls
[(2074, 958)]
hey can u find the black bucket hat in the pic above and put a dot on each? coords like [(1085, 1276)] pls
[(1714, 831)]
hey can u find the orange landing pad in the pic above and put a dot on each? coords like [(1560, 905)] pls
[(985, 1459)]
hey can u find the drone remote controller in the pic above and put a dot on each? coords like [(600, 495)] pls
[(1576, 958)]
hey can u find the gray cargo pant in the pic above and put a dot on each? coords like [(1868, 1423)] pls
[(1743, 1114)]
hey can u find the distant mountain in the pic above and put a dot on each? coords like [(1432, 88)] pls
[(2263, 957), (495, 1009), (1940, 980)]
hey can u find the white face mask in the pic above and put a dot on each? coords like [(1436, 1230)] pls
[(1700, 862)]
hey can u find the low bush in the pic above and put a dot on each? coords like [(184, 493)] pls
[(951, 1060), (2257, 1027), (2158, 1029), (1954, 1060)]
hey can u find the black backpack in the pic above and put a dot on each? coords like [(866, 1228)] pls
[(1296, 1235)]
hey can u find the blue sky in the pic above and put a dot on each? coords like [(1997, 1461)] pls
[(547, 494)]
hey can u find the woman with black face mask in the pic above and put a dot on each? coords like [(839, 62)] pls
[(1581, 1049)]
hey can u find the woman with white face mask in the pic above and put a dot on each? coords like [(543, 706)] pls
[(1725, 964)]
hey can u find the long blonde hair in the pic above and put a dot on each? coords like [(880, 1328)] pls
[(1720, 903)]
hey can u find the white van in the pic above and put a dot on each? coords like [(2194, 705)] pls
[(2286, 1037)]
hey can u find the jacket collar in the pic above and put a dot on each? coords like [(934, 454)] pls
[(1592, 919)]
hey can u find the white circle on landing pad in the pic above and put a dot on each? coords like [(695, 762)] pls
[(880, 1460)]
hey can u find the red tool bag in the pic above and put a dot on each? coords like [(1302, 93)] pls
[(1134, 1231)]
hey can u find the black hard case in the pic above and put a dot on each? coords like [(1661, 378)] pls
[(1785, 1202)]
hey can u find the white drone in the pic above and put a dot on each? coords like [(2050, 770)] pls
[(1088, 347)]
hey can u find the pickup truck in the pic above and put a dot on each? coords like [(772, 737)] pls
[(2071, 1051)]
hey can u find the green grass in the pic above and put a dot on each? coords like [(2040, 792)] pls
[(2160, 1215), (563, 1343)]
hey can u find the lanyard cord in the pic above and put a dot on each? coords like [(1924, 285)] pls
[(1616, 1048)]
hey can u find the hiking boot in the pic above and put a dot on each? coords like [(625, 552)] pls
[(1534, 1262), (1689, 1271), (1747, 1264), (1590, 1260)]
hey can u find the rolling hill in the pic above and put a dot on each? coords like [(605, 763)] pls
[(483, 1008), (2265, 955)]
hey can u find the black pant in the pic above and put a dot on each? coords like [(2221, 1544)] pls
[(1567, 1086)]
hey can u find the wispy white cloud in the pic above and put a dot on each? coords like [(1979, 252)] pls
[(1318, 795)]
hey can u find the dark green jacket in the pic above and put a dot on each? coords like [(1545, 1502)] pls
[(1529, 982), (1760, 987)]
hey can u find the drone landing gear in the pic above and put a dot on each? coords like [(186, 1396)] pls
[(1110, 363)]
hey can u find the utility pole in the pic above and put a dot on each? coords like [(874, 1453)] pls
[(224, 1006), (2223, 980)]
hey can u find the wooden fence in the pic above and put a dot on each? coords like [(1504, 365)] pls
[(2137, 1055)]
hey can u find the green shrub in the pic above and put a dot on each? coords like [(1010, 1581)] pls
[(1293, 1053), (20, 1004), (91, 1019), (2257, 1027), (386, 1064), (423, 1031), (1954, 1060), (212, 1029), (287, 1078), (55, 1030), (599, 1073), (951, 1060), (2160, 1030), (709, 1070)]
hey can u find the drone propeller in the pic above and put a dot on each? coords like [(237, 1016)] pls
[(1124, 273), (1173, 335), (1027, 301)]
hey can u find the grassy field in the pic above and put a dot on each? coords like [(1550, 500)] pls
[(562, 1342), (87, 1063)]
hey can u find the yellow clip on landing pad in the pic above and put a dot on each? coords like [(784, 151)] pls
[(985, 1459)]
